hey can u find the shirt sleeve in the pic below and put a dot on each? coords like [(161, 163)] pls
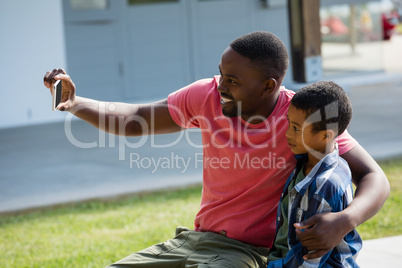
[(186, 105), (345, 142)]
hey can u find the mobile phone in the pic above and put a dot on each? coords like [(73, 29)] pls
[(56, 93)]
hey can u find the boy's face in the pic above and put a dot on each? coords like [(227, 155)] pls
[(300, 136)]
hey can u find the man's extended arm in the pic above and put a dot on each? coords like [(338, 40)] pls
[(114, 117), (327, 230)]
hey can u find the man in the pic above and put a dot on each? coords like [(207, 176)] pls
[(242, 115)]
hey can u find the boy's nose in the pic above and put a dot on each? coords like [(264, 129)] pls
[(287, 134)]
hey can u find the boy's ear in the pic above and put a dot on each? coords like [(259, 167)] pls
[(329, 135)]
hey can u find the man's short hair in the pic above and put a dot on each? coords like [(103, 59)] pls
[(264, 49), (331, 102)]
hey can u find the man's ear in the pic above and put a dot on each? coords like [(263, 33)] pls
[(270, 85)]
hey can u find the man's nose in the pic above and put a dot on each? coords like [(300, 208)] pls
[(221, 86)]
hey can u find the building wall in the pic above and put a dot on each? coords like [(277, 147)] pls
[(105, 52), (31, 42)]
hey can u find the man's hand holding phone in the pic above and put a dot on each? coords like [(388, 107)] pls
[(63, 92)]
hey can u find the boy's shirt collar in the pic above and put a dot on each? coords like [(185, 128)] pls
[(330, 160)]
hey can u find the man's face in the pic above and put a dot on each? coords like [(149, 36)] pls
[(242, 88)]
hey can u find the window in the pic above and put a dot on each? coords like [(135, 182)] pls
[(89, 4), (138, 2)]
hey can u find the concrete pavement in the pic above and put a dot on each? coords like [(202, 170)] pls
[(55, 163), (383, 252)]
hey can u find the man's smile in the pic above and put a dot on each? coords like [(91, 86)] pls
[(225, 100)]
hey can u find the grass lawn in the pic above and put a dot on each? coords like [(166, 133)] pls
[(387, 222), (95, 234)]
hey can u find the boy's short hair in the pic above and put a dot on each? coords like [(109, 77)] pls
[(332, 102), (264, 49)]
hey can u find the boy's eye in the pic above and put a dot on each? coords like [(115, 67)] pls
[(296, 128)]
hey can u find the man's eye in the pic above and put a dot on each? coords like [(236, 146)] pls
[(296, 129), (231, 81)]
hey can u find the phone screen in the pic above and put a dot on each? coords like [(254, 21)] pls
[(56, 94)]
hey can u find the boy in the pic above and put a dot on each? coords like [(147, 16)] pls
[(321, 181)]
